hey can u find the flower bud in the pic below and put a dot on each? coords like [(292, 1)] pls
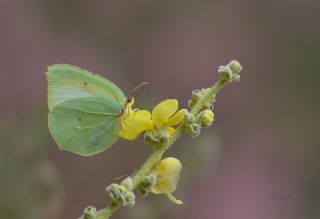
[(190, 118), (197, 95), (121, 193), (89, 212), (152, 139), (164, 138), (127, 183), (130, 200), (235, 67), (194, 129), (231, 71), (206, 118), (147, 183)]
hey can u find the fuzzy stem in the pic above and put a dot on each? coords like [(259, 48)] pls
[(109, 210), (159, 151)]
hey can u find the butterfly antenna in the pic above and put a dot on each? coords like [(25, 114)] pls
[(137, 90), (149, 99), (121, 177)]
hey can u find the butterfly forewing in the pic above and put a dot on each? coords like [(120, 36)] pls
[(66, 82)]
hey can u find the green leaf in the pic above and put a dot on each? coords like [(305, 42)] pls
[(67, 82), (85, 126)]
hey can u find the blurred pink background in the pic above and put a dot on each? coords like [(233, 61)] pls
[(259, 160)]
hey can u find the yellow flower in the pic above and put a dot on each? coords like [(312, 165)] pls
[(167, 173), (134, 122), (163, 117)]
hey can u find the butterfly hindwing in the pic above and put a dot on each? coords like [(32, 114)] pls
[(86, 125)]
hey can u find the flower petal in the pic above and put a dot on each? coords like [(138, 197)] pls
[(163, 111), (156, 189), (177, 118), (170, 130), (137, 122), (173, 199), (160, 188), (168, 166)]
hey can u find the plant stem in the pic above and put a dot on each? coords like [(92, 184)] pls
[(159, 151), (108, 211)]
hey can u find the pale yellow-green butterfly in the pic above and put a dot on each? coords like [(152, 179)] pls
[(84, 109)]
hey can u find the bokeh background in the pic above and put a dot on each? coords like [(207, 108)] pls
[(261, 159)]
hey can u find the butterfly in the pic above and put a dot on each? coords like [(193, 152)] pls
[(84, 109)]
